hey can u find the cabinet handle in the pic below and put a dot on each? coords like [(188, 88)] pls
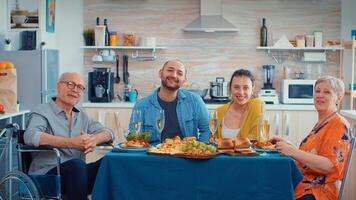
[(276, 119), (287, 124)]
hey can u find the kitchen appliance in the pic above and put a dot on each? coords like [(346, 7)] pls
[(219, 89), (211, 18), (37, 75), (28, 40), (268, 94), (297, 91), (101, 85)]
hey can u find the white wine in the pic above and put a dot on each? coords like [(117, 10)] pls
[(213, 125), (160, 124), (137, 126)]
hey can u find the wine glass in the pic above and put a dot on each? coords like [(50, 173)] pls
[(137, 120), (160, 121), (264, 133), (213, 122)]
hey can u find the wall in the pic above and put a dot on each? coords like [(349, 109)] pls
[(208, 55), (67, 36)]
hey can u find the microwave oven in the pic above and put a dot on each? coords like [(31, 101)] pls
[(297, 91)]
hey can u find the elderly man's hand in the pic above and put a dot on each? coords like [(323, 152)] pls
[(90, 143), (84, 142)]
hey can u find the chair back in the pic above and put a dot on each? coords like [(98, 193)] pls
[(25, 158), (348, 164)]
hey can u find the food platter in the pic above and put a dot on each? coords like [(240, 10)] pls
[(266, 150), (121, 148), (196, 157)]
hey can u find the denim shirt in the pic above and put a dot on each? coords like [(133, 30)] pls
[(192, 115)]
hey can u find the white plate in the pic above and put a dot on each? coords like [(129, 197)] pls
[(119, 147)]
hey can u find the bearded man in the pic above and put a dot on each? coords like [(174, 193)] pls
[(185, 113)]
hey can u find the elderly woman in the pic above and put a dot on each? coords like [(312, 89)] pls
[(238, 118), (322, 155)]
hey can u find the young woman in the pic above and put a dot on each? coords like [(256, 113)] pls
[(239, 118)]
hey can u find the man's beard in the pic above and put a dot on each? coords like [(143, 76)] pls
[(164, 84)]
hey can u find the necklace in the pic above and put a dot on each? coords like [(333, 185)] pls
[(322, 123)]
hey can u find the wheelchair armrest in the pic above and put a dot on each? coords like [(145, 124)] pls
[(41, 149), (105, 144)]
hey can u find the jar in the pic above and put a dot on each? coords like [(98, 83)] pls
[(112, 38), (130, 39), (309, 40), (300, 40), (318, 38)]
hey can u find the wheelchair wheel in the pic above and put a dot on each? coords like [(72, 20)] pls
[(17, 185)]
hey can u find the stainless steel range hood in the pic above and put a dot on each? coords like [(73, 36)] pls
[(210, 19)]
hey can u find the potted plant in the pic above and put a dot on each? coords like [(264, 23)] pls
[(89, 36), (7, 45)]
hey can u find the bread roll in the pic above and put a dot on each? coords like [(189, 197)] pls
[(242, 143), (226, 143)]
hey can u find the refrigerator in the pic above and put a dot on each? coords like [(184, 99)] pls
[(37, 75)]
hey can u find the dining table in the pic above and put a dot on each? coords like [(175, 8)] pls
[(138, 175)]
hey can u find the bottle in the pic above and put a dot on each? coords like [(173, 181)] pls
[(106, 32), (113, 38), (97, 21), (263, 33)]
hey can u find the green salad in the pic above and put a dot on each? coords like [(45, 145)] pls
[(139, 136)]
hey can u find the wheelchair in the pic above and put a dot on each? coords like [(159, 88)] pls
[(16, 183)]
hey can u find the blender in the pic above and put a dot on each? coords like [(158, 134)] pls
[(268, 94)]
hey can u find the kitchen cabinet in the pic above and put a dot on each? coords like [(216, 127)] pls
[(291, 125), (115, 118)]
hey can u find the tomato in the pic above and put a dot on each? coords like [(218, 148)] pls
[(2, 108)]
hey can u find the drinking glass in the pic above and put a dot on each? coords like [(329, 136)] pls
[(213, 122), (137, 120), (160, 122), (264, 133)]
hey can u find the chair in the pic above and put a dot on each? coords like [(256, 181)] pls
[(49, 186), (348, 164)]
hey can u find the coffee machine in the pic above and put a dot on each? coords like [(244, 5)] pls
[(268, 94), (101, 85)]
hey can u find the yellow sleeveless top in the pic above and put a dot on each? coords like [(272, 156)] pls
[(249, 127)]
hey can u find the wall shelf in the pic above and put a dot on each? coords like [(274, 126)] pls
[(123, 47), (135, 56), (279, 51)]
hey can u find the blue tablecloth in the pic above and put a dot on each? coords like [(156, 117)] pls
[(140, 176)]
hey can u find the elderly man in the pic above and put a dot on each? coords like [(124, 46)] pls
[(185, 112), (62, 125)]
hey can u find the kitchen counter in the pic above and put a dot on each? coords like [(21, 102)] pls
[(209, 106), (349, 114)]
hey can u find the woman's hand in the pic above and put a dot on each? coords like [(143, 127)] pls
[(286, 148), (276, 139)]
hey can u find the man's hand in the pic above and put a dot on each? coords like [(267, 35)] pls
[(84, 142)]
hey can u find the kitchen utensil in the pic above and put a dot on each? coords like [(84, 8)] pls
[(201, 92), (117, 78), (219, 89), (125, 72)]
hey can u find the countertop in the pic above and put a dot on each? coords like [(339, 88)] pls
[(349, 114), (9, 115), (209, 106)]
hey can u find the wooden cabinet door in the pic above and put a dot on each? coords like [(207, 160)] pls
[(275, 120), (297, 125)]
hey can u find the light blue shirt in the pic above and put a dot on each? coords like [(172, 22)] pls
[(50, 118), (193, 117)]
